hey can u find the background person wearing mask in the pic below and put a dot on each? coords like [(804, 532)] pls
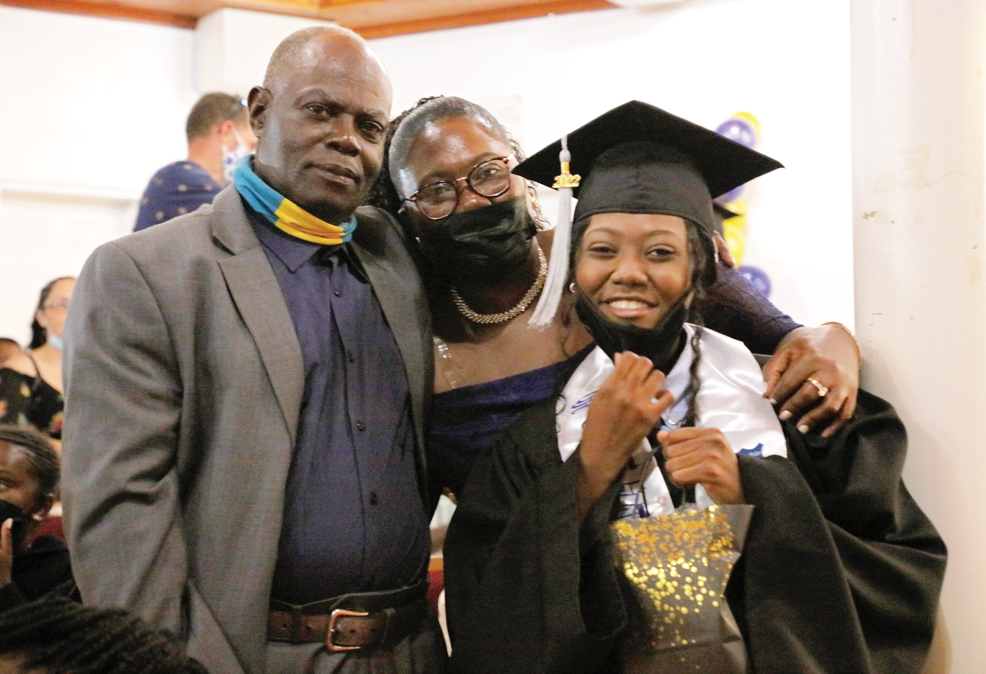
[(31, 382), (31, 565), (219, 135)]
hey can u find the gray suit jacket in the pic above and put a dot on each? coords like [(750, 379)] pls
[(183, 380)]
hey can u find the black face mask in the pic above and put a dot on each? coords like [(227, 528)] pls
[(481, 246), (21, 519), (662, 343)]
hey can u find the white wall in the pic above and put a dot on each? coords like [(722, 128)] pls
[(91, 108), (919, 141), (91, 103)]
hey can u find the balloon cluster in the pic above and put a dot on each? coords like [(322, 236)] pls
[(744, 129)]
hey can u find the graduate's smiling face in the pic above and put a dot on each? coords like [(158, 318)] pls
[(634, 267), (446, 151)]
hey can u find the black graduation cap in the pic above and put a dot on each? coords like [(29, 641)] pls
[(722, 214), (637, 158)]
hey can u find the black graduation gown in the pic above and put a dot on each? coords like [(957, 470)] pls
[(841, 571)]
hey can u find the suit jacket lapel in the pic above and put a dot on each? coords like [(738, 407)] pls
[(258, 298)]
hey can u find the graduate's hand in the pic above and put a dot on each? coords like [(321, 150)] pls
[(6, 552), (624, 410), (703, 456), (829, 355)]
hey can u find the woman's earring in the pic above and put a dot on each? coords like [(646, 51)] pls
[(571, 287)]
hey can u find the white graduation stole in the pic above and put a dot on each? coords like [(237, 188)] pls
[(730, 399)]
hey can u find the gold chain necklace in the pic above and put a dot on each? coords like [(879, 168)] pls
[(519, 308)]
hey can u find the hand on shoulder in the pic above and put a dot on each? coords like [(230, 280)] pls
[(815, 371)]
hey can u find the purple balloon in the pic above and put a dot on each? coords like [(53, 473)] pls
[(739, 131), (731, 195), (756, 278)]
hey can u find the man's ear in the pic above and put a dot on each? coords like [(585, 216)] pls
[(258, 102)]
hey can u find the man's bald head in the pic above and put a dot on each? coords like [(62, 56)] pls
[(302, 47), (321, 120)]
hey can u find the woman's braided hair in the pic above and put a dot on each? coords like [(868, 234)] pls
[(58, 636), (42, 456)]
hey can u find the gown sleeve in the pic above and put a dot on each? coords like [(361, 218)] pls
[(528, 587), (735, 308), (841, 571)]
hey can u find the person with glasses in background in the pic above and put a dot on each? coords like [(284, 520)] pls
[(219, 135), (31, 382)]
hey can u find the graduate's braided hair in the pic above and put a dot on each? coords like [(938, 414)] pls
[(58, 636), (404, 129), (701, 249)]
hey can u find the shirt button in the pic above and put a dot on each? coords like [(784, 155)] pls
[(360, 426), (374, 499), (337, 293), (352, 356)]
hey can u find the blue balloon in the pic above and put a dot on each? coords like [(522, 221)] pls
[(738, 130), (756, 278)]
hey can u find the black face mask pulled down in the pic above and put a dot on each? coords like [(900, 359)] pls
[(481, 246), (662, 344), (21, 519)]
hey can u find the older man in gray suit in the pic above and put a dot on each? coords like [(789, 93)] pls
[(246, 391)]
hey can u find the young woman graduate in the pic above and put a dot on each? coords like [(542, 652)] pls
[(841, 570)]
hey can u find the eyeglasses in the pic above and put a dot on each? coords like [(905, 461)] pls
[(63, 305), (489, 179)]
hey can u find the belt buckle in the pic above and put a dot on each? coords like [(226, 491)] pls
[(336, 614)]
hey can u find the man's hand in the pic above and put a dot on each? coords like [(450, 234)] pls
[(624, 410), (829, 356), (703, 456), (6, 552)]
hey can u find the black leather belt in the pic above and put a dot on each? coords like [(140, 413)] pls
[(351, 622)]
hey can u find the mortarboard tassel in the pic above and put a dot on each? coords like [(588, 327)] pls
[(554, 286)]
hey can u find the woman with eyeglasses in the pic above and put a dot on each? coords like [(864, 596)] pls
[(446, 176), (31, 382)]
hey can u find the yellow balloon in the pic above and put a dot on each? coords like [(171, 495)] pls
[(736, 239), (737, 206), (750, 119)]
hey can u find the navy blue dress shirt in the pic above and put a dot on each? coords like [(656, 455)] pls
[(354, 520), (176, 189)]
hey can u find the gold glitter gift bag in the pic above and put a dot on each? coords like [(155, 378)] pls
[(677, 567)]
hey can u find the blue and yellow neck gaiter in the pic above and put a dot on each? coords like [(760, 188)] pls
[(284, 214)]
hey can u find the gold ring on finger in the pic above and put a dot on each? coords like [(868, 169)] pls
[(822, 390)]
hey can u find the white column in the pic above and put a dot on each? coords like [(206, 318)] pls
[(918, 184)]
